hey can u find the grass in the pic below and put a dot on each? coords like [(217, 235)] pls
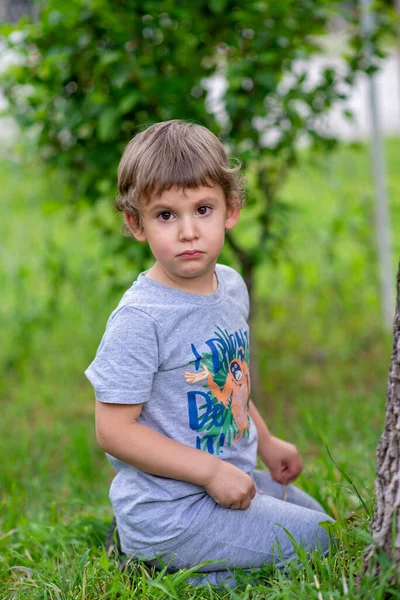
[(324, 362)]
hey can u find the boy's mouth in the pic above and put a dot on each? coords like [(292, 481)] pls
[(191, 254)]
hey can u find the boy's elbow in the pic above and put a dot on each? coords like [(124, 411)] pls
[(106, 435), (103, 439), (114, 426), (111, 437)]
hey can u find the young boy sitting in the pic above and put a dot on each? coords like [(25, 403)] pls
[(172, 380)]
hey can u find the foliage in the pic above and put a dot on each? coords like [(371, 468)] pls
[(91, 73)]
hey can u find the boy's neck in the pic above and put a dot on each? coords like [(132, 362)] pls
[(205, 285)]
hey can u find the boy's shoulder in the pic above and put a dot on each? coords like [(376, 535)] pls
[(228, 273), (231, 277)]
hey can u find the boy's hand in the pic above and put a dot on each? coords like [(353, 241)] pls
[(230, 487), (283, 460)]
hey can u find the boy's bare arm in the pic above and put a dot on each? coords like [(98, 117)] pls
[(282, 458), (264, 435), (120, 434)]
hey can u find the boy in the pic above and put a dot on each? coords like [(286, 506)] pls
[(172, 381)]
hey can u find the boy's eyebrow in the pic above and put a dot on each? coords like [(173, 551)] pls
[(168, 206)]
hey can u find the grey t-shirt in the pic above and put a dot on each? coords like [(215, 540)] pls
[(185, 357)]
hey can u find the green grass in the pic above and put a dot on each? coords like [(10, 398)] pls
[(323, 356)]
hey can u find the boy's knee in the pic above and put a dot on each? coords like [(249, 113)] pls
[(323, 538), (315, 537)]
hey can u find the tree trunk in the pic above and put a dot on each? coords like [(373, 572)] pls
[(386, 520)]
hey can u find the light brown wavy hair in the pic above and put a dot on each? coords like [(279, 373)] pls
[(175, 154)]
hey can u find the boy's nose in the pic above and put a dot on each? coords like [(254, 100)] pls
[(187, 230)]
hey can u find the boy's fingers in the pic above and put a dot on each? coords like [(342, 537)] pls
[(276, 475), (293, 473), (245, 504)]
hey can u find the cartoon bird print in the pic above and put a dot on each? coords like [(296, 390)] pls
[(236, 390)]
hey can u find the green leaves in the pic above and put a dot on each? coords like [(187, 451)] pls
[(129, 102), (108, 124), (350, 481)]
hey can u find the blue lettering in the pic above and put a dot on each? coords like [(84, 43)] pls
[(219, 415), (205, 443), (200, 415), (222, 348), (197, 357), (197, 421), (216, 344), (210, 443)]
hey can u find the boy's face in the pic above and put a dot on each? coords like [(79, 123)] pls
[(185, 230)]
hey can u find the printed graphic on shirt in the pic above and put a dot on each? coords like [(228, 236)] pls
[(219, 409)]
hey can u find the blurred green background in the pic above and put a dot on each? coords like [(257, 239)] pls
[(86, 79)]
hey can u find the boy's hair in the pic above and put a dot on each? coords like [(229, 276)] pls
[(174, 153)]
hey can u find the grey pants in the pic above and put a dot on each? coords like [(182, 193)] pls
[(249, 538)]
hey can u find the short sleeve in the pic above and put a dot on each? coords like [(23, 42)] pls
[(127, 358)]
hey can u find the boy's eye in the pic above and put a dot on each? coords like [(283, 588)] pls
[(165, 215), (203, 210)]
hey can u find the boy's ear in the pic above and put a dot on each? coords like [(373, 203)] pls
[(134, 227), (232, 217)]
